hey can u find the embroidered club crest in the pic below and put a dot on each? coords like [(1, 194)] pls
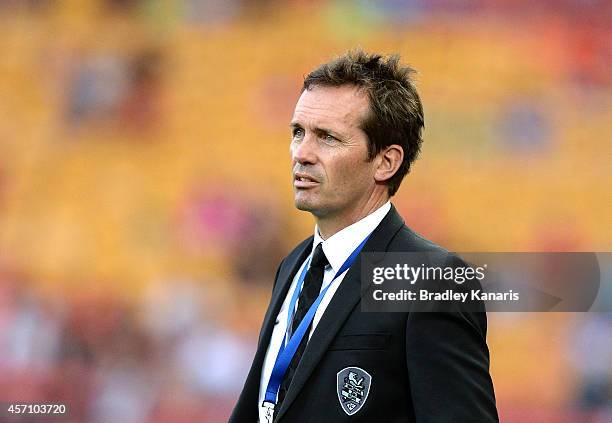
[(353, 385)]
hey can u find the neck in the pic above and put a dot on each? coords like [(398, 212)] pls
[(331, 224)]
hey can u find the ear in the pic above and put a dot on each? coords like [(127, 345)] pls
[(388, 162)]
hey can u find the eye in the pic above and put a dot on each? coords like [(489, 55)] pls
[(329, 138), (298, 132)]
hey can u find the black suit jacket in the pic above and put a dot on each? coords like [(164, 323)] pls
[(425, 367)]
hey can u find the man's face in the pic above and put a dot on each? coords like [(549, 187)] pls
[(329, 151)]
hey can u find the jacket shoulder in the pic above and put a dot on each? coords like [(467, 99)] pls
[(299, 249), (289, 262), (408, 240)]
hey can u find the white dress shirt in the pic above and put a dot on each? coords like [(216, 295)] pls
[(337, 249)]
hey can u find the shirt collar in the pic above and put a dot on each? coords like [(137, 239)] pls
[(339, 246)]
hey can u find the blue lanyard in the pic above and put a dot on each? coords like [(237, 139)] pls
[(286, 352)]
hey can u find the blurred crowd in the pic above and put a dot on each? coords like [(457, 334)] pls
[(145, 198), (169, 358)]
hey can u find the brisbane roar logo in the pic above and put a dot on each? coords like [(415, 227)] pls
[(353, 385)]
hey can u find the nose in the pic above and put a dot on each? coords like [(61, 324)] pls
[(304, 151)]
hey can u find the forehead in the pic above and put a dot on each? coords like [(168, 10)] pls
[(340, 108)]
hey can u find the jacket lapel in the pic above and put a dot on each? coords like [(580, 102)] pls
[(343, 302), (246, 407), (283, 282)]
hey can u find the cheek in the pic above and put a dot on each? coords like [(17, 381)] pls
[(348, 174)]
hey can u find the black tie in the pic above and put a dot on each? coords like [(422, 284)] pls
[(312, 287)]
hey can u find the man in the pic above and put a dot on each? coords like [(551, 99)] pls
[(356, 130)]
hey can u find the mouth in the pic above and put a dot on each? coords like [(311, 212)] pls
[(303, 181)]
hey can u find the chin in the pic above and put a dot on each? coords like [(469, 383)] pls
[(316, 210), (303, 205)]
